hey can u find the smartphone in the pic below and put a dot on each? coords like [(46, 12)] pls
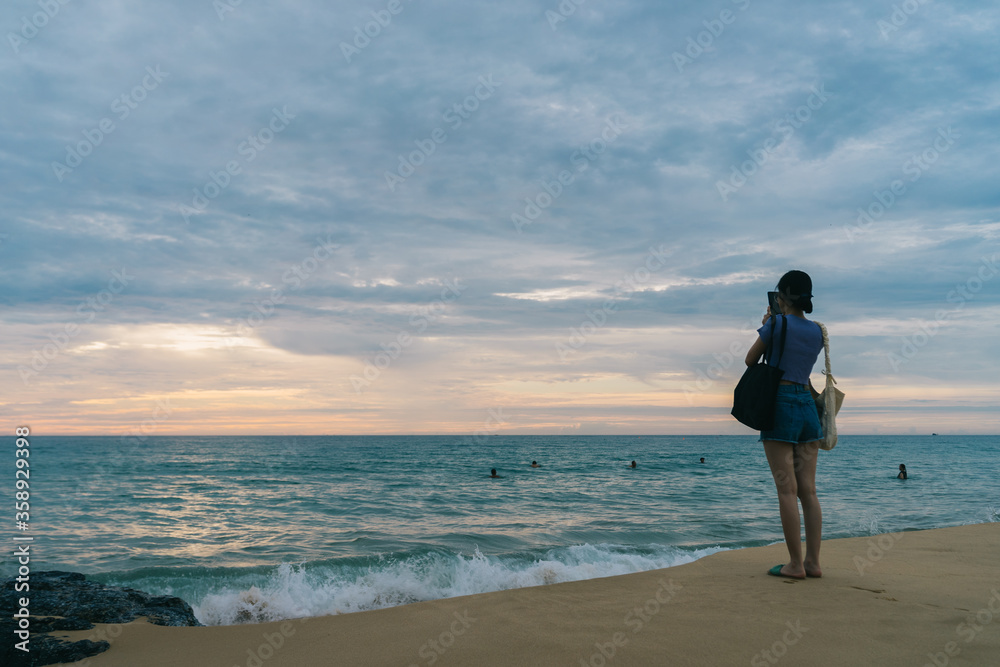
[(772, 301)]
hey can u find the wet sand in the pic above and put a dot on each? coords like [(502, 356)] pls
[(915, 598)]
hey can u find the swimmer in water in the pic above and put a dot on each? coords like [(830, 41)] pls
[(535, 464), (902, 471), (702, 460), (633, 464), (494, 475)]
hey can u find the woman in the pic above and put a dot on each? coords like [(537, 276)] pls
[(791, 446)]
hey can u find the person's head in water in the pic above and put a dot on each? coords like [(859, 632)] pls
[(902, 472), (534, 464), (795, 290), (633, 464), (493, 472), (702, 460)]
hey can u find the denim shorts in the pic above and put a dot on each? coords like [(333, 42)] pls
[(795, 417)]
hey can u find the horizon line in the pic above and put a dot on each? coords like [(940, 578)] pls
[(466, 435)]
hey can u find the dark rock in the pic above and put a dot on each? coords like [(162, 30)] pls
[(49, 650), (70, 594), (79, 604), (45, 649)]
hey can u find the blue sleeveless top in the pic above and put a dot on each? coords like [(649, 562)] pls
[(803, 343)]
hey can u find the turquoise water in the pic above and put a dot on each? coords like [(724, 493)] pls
[(259, 528)]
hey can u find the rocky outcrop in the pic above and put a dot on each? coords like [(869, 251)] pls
[(62, 601)]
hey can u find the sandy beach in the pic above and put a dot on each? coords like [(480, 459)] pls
[(915, 598)]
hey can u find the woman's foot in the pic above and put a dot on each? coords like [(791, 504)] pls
[(787, 571), (813, 570)]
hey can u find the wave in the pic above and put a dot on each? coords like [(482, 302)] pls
[(323, 588)]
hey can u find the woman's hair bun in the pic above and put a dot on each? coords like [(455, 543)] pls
[(796, 287)]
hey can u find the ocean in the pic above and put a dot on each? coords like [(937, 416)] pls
[(258, 528)]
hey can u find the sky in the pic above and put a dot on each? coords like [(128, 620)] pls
[(519, 217)]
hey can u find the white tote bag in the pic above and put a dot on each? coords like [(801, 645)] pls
[(829, 401)]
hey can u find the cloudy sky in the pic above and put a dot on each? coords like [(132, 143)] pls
[(419, 216)]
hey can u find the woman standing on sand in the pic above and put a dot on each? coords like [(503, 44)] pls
[(791, 446)]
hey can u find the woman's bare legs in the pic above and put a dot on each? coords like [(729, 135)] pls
[(805, 479), (781, 458)]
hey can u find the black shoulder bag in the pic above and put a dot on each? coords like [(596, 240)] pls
[(754, 396)]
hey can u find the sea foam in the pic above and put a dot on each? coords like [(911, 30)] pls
[(318, 589)]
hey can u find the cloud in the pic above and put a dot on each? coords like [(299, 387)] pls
[(486, 111)]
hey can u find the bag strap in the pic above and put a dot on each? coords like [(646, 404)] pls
[(826, 348), (784, 328), (770, 344)]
